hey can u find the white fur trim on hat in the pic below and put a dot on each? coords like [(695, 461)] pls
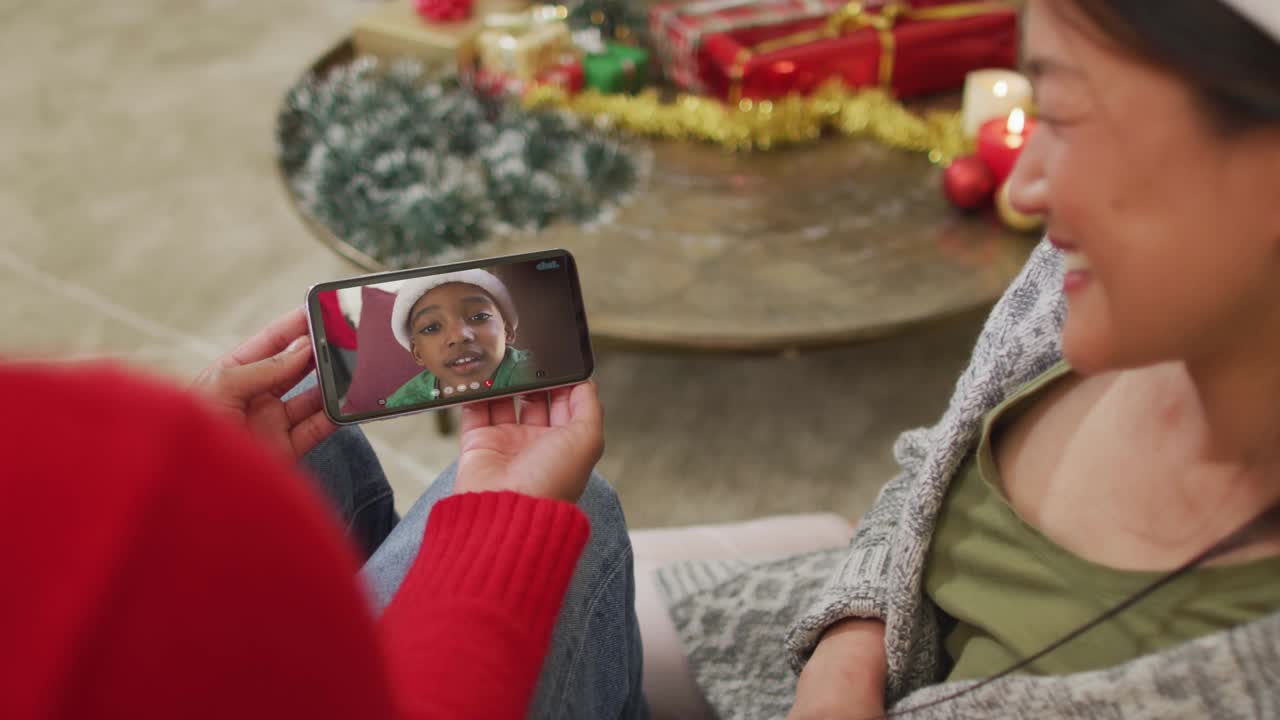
[(412, 291), (1264, 13)]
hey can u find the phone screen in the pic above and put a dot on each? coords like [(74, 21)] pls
[(402, 342)]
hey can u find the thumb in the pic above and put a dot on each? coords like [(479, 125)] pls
[(588, 418), (275, 374)]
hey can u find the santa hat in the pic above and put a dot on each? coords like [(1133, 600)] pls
[(412, 291), (1264, 13)]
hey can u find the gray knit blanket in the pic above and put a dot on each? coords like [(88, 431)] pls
[(748, 629)]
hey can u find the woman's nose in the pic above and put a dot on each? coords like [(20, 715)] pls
[(1028, 187)]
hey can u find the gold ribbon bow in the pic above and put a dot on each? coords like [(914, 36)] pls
[(504, 41), (855, 17)]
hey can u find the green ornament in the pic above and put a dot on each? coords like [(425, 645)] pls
[(620, 69)]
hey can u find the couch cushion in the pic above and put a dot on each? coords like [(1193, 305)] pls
[(382, 365)]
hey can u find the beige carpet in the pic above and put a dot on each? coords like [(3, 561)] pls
[(141, 219)]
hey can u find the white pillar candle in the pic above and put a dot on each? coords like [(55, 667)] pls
[(993, 93)]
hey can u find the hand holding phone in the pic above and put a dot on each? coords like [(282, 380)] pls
[(248, 384), (546, 449), (448, 335)]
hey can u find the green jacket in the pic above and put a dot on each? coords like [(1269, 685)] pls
[(516, 368)]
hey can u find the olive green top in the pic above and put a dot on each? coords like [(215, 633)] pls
[(1012, 591)]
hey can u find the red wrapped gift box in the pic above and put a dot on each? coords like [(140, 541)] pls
[(568, 76), (913, 49), (679, 27)]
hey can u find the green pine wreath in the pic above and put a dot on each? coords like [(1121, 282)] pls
[(411, 169)]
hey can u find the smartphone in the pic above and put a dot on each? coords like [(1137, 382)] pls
[(408, 341)]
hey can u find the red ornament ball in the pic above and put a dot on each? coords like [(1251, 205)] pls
[(445, 10), (968, 182)]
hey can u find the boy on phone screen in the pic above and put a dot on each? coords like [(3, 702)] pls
[(459, 327)]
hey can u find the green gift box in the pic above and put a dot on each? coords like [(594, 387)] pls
[(619, 69)]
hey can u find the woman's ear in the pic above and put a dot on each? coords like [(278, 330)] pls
[(511, 334)]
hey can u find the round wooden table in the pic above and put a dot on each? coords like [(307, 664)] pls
[(835, 242)]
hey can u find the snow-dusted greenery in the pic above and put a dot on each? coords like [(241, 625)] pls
[(411, 169)]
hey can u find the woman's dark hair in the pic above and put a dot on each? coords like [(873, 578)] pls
[(1232, 63)]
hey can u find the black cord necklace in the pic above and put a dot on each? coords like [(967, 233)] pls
[(1249, 533)]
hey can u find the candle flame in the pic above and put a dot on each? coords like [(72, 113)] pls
[(1017, 121)]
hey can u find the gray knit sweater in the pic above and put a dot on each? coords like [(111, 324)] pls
[(734, 618)]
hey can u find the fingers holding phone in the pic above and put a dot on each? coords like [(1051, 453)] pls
[(548, 451), (248, 385), (506, 338)]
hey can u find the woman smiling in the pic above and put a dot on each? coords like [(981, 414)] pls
[(1118, 420)]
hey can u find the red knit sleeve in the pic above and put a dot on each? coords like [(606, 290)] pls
[(466, 633), (157, 562)]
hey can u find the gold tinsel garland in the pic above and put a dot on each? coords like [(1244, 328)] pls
[(768, 124)]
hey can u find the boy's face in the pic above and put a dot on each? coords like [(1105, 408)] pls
[(458, 334)]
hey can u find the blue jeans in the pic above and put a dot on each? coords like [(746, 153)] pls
[(351, 477), (593, 667), (349, 474)]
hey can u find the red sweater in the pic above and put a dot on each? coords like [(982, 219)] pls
[(157, 562)]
